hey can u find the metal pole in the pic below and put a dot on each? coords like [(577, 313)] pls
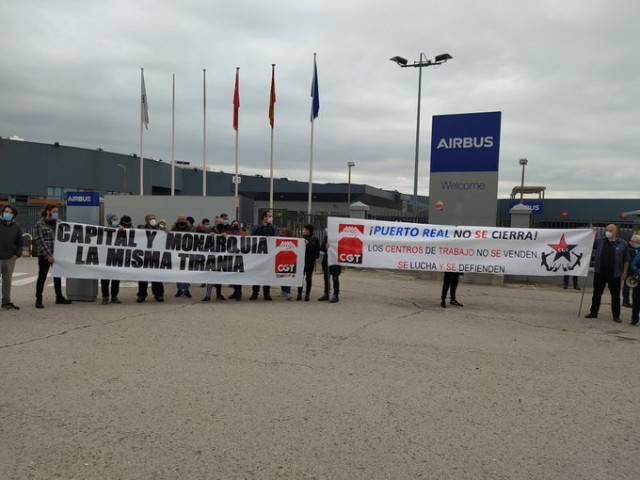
[(415, 171), (523, 162), (349, 190)]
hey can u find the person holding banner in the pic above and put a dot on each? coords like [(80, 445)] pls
[(612, 264), (10, 251), (450, 283), (218, 229), (112, 221), (157, 288), (182, 225), (264, 229), (44, 235), (235, 229), (332, 271), (311, 254)]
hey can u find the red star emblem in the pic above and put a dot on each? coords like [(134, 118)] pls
[(562, 249)]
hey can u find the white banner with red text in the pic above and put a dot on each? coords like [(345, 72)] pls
[(441, 248), (90, 251)]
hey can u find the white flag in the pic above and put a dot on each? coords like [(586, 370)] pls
[(145, 105)]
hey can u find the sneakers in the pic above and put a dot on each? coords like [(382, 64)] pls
[(268, 298), (324, 298), (591, 315), (105, 300), (140, 299), (617, 319), (306, 298), (220, 298), (10, 306), (254, 296), (334, 299), (62, 301), (115, 300), (456, 303), (159, 298), (39, 304), (443, 304)]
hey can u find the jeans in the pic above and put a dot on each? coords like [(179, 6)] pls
[(6, 270)]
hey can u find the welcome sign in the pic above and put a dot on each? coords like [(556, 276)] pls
[(465, 152)]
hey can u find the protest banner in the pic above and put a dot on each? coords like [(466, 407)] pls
[(90, 251), (440, 248)]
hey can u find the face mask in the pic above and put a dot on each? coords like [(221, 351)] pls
[(7, 216), (226, 222), (269, 219), (152, 222), (161, 226), (115, 224), (126, 225), (235, 227), (180, 224), (608, 234), (54, 216)]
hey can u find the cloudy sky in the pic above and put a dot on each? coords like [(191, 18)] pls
[(564, 74)]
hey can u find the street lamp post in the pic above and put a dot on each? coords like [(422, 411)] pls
[(349, 165), (124, 177), (523, 162), (424, 62)]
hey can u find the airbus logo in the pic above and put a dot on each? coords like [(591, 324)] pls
[(465, 142)]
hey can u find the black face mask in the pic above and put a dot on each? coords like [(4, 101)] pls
[(125, 225), (181, 224)]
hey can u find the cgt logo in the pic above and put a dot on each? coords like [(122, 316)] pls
[(286, 259), (350, 243)]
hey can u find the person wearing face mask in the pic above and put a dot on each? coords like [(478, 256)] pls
[(611, 266), (218, 229), (234, 229), (114, 222), (10, 251), (263, 229), (311, 254), (204, 227), (43, 233), (182, 225), (157, 288), (226, 223), (634, 248)]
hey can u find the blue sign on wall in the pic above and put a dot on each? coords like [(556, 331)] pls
[(467, 142), (83, 199), (534, 205)]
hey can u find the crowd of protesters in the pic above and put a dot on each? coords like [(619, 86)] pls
[(11, 246)]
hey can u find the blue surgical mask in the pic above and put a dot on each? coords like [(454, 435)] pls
[(54, 216), (115, 224), (7, 216)]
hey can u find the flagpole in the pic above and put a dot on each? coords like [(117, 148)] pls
[(173, 138), (204, 132), (315, 107), (142, 103), (236, 113), (272, 107)]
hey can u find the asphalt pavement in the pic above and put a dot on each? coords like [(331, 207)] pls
[(385, 384)]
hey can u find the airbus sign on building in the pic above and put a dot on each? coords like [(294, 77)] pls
[(465, 152)]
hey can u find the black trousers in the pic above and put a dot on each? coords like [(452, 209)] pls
[(333, 271), (115, 287), (308, 276), (599, 282), (635, 310), (157, 289), (450, 282), (43, 270)]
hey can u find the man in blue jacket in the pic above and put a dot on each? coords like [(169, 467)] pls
[(612, 264)]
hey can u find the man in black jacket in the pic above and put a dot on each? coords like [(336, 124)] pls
[(263, 229), (311, 253)]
